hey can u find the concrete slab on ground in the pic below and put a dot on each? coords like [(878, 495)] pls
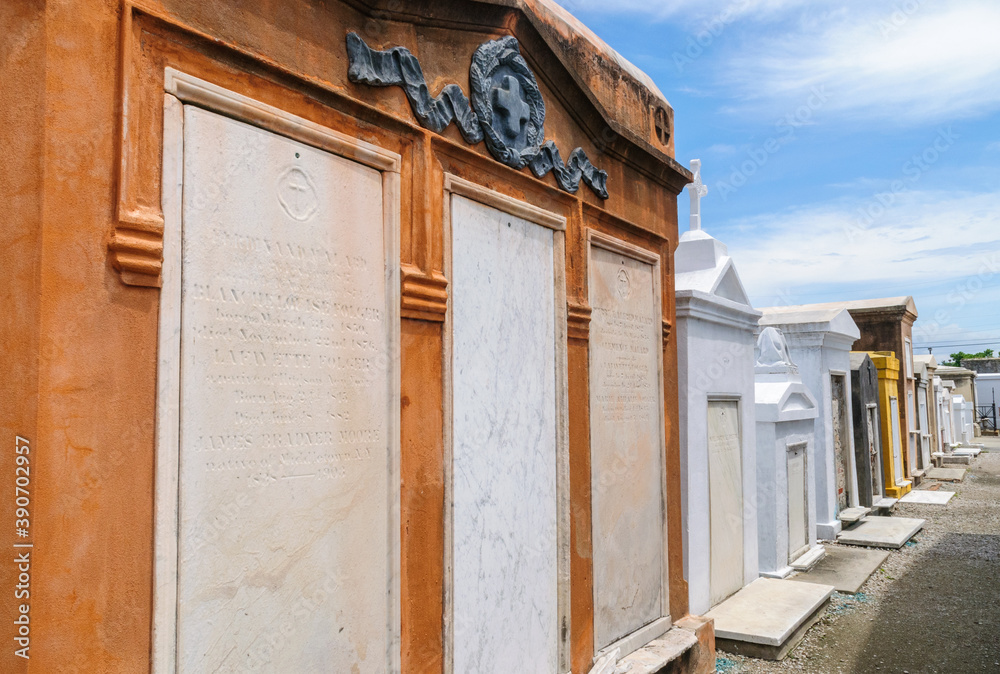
[(846, 569), (946, 474), (928, 497), (956, 459), (768, 617), (881, 532)]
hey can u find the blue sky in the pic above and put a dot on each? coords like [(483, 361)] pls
[(851, 149)]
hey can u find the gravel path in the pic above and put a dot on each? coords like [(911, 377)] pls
[(933, 605)]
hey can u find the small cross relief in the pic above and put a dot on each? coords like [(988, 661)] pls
[(510, 103), (297, 195)]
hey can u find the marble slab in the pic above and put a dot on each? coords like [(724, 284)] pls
[(798, 506), (284, 543), (946, 474), (626, 440), (881, 532), (726, 503), (505, 569), (928, 497), (845, 568)]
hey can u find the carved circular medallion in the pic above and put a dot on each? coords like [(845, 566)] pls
[(297, 194), (507, 101), (661, 122)]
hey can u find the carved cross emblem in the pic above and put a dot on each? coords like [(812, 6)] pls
[(510, 102), (297, 195)]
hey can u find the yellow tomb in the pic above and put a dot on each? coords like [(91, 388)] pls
[(887, 365)]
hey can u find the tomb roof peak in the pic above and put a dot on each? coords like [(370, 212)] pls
[(703, 264), (858, 358), (834, 320), (627, 98), (903, 305)]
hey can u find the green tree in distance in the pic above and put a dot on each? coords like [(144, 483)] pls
[(957, 358)]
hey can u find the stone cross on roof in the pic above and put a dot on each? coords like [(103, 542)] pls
[(697, 190)]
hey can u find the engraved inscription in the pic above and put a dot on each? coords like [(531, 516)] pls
[(625, 378), (285, 434), (626, 445), (289, 332)]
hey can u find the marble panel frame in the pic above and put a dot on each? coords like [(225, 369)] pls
[(642, 636), (181, 89), (457, 186)]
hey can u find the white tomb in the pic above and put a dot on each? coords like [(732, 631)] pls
[(942, 396), (786, 414), (923, 412), (962, 419), (819, 342), (715, 343)]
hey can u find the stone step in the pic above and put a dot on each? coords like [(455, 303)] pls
[(885, 503), (809, 560), (852, 515), (657, 655)]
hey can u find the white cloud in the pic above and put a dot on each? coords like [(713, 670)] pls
[(923, 237), (934, 62), (722, 148)]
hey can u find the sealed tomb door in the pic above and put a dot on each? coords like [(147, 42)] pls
[(798, 506), (725, 472), (841, 443), (505, 438), (874, 451), (285, 537), (897, 444)]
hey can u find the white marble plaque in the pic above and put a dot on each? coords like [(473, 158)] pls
[(626, 441), (504, 576), (725, 472), (798, 507), (284, 538)]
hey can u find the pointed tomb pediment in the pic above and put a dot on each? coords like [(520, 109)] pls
[(703, 264)]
